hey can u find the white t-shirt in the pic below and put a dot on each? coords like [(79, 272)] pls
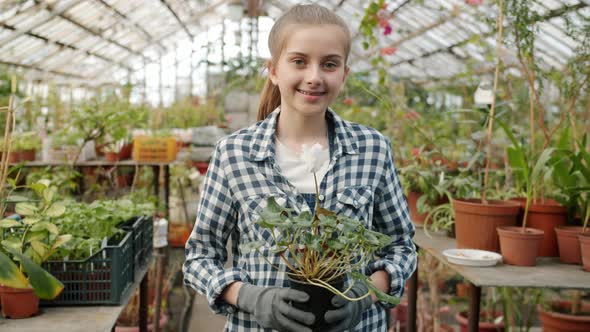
[(294, 170)]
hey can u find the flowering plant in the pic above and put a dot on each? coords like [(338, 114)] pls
[(321, 248)]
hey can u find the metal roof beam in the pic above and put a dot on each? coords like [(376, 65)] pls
[(41, 69), (62, 45), (190, 35), (93, 32), (36, 24), (136, 25)]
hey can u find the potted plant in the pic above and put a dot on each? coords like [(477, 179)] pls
[(25, 245), (319, 250), (520, 245), (560, 315), (26, 144)]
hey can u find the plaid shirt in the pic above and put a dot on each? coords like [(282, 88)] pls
[(361, 183)]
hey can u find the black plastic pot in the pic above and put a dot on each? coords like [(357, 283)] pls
[(320, 300)]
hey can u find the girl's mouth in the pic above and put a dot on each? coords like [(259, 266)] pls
[(311, 93)]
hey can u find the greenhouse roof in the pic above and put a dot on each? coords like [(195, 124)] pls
[(100, 41)]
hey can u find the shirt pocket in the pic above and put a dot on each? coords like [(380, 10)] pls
[(356, 202), (253, 207)]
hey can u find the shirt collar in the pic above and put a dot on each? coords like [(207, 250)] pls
[(263, 137)]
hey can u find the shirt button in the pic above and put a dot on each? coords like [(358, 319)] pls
[(321, 197)]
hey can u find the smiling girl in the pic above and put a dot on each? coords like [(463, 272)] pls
[(309, 47)]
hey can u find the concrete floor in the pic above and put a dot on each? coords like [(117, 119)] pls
[(202, 319)]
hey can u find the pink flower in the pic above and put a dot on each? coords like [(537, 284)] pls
[(383, 22), (474, 2), (348, 101), (387, 30), (388, 50)]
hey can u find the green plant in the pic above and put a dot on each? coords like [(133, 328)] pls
[(31, 241), (322, 247), (519, 305), (29, 140)]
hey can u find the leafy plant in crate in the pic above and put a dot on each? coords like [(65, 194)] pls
[(320, 250), (25, 245)]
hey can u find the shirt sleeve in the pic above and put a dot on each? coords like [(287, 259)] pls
[(206, 250), (392, 217)]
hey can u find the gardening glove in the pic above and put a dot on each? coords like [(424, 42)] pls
[(348, 313), (271, 309)]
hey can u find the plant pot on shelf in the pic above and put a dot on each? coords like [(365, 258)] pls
[(518, 247), (111, 156), (320, 300), (546, 216), (14, 157), (584, 240), (569, 245), (417, 218), (476, 223), (125, 152), (461, 318), (26, 155), (18, 302), (560, 319)]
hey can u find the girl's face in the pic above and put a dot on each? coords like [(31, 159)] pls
[(310, 71)]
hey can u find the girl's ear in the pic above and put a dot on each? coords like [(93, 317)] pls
[(346, 71), (272, 72)]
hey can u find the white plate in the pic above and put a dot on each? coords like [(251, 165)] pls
[(472, 257)]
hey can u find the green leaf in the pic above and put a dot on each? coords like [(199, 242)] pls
[(35, 236), (39, 247), (56, 210), (25, 209), (10, 275), (61, 240), (12, 243), (45, 225), (541, 164), (46, 286), (48, 194), (249, 247), (31, 221), (9, 223)]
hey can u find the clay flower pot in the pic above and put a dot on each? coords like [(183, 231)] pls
[(19, 302), (476, 223), (561, 320), (584, 240), (546, 216), (569, 245), (518, 247)]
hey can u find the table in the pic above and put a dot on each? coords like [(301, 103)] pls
[(548, 272), (103, 163), (83, 318)]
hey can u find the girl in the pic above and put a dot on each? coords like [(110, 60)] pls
[(309, 46)]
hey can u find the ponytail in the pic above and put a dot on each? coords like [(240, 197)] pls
[(270, 99)]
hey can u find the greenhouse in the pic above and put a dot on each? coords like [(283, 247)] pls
[(281, 165)]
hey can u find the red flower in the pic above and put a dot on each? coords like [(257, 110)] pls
[(474, 2), (412, 115), (348, 101), (388, 50), (383, 22)]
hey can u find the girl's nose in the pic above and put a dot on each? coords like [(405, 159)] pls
[(313, 76)]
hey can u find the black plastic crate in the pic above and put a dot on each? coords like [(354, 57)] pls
[(142, 229), (103, 278)]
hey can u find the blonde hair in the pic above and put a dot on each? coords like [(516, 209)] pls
[(312, 14)]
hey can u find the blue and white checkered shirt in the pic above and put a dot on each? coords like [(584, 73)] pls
[(361, 183)]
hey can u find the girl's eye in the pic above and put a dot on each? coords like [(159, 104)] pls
[(330, 65), (298, 62)]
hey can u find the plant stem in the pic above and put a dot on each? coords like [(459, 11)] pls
[(493, 107)]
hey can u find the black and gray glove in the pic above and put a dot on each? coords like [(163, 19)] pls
[(271, 309), (348, 313)]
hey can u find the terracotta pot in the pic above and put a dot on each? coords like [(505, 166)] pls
[(476, 223), (19, 302), (584, 239), (417, 218), (125, 152), (14, 157), (560, 321), (569, 245), (26, 155), (178, 234), (150, 326), (546, 216), (202, 166), (519, 248), (461, 318), (111, 156), (462, 289)]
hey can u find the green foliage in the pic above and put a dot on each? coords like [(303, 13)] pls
[(64, 178), (318, 248), (28, 140), (189, 113)]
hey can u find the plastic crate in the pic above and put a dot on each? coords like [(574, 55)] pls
[(103, 278), (142, 233), (154, 149)]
